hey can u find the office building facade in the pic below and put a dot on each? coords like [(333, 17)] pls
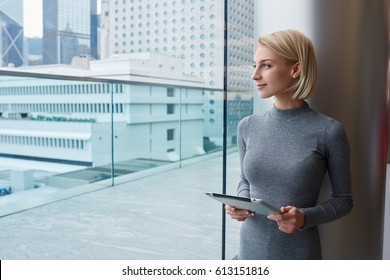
[(94, 28), (66, 30), (11, 33), (69, 121), (189, 29), (194, 31)]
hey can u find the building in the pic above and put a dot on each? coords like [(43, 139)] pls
[(94, 29), (34, 50), (11, 33), (137, 32), (67, 29), (193, 31), (103, 29), (70, 121)]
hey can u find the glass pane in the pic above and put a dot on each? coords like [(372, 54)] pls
[(152, 117), (241, 44), (159, 139), (53, 141)]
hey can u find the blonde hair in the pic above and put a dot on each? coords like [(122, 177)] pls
[(295, 47)]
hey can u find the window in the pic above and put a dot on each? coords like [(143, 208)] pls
[(170, 109), (170, 92), (170, 134), (144, 112)]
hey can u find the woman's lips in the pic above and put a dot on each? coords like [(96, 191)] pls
[(260, 86)]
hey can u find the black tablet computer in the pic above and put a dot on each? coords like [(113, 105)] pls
[(256, 205)]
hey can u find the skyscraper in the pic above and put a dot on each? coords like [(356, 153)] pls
[(11, 33), (66, 30), (190, 29), (194, 31), (94, 29)]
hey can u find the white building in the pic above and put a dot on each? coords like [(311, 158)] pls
[(157, 112), (194, 31), (190, 29)]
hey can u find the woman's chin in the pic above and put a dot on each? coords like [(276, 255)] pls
[(264, 95)]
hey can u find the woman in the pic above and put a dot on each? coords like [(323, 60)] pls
[(285, 153)]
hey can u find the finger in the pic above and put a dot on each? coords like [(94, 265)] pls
[(286, 230), (291, 213), (275, 217), (241, 215), (286, 209), (228, 207)]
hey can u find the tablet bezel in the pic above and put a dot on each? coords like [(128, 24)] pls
[(256, 205)]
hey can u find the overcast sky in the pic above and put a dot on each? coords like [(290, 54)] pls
[(32, 13), (32, 10)]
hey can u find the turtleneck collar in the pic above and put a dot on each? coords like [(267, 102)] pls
[(288, 113)]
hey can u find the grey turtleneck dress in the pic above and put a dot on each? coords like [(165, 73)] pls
[(284, 156)]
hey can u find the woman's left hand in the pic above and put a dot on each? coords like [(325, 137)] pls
[(290, 220)]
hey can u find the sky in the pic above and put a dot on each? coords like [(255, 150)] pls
[(32, 14), (32, 17)]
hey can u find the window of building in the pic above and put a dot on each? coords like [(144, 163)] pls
[(170, 109), (170, 92), (170, 134)]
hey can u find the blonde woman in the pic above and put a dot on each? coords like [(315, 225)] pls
[(285, 154)]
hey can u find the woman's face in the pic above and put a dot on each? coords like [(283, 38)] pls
[(272, 74)]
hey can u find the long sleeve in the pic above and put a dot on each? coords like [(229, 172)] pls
[(243, 185), (337, 156)]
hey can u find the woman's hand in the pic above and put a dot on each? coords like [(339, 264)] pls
[(238, 214), (290, 220)]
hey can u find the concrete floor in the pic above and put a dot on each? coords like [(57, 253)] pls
[(163, 216)]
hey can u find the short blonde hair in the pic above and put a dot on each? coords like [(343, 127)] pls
[(295, 47)]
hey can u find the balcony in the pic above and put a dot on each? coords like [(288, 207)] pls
[(128, 185)]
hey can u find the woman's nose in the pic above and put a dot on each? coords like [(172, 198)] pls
[(256, 74)]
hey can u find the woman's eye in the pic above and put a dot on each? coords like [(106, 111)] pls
[(254, 65), (266, 66)]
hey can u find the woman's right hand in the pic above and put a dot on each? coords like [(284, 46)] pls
[(238, 214)]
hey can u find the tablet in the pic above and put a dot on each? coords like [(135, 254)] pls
[(256, 205)]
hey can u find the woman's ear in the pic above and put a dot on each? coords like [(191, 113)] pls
[(296, 70)]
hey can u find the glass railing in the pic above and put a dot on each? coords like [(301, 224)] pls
[(64, 136), (158, 124)]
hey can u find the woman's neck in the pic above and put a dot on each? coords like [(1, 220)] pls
[(287, 103)]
